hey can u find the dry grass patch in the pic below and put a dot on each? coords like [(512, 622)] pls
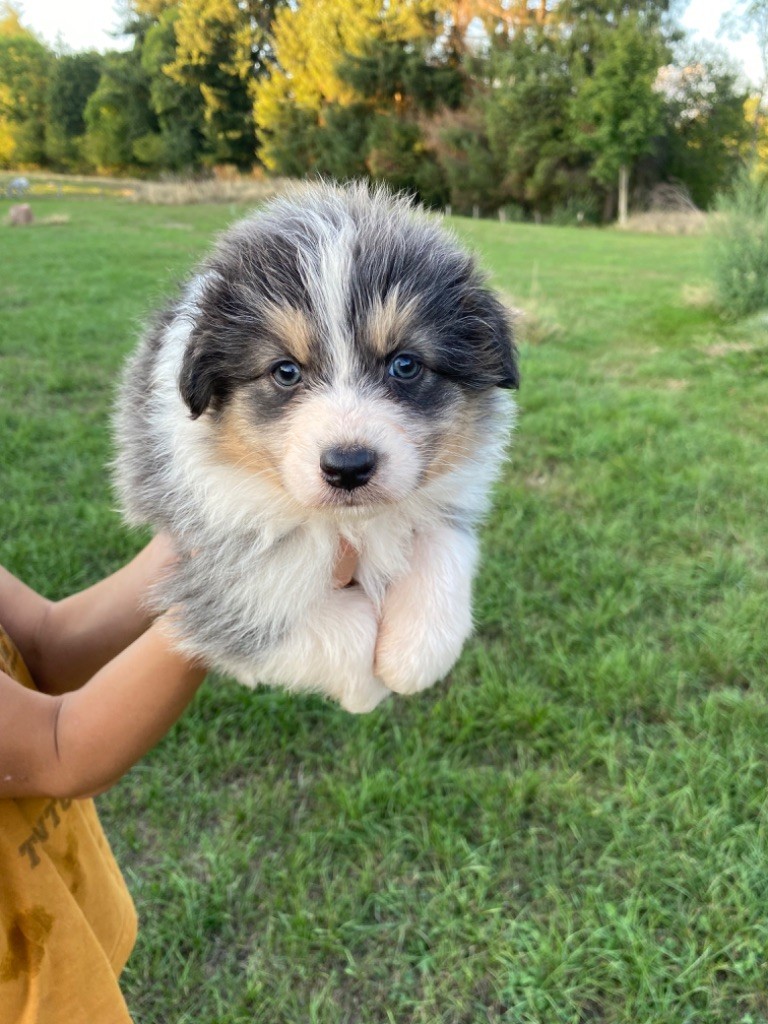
[(212, 190), (533, 326), (727, 348), (55, 220), (667, 222), (697, 296)]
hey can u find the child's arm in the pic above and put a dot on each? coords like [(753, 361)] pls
[(64, 643), (77, 744)]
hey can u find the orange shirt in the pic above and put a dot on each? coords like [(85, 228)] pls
[(67, 920)]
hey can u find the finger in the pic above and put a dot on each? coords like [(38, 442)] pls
[(345, 565)]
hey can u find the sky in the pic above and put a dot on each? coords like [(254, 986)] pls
[(86, 24)]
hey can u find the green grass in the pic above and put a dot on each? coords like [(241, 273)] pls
[(573, 829)]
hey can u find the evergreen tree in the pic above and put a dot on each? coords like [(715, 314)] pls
[(73, 79), (123, 133), (314, 45), (222, 49), (178, 107), (528, 115), (473, 173), (340, 143)]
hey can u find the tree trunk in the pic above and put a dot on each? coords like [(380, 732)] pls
[(623, 194)]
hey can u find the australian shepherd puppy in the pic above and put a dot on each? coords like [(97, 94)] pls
[(332, 370)]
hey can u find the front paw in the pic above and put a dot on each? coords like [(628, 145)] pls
[(331, 651), (363, 694), (414, 653)]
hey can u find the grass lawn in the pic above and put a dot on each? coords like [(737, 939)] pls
[(573, 829)]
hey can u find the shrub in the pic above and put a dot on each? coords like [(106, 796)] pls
[(740, 246)]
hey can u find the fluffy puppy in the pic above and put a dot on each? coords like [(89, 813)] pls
[(332, 370)]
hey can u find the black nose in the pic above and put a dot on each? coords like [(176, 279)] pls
[(348, 468)]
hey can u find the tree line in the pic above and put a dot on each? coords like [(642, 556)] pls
[(551, 109)]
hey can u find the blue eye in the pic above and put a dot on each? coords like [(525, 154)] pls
[(405, 367), (286, 373)]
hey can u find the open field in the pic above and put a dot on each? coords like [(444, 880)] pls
[(574, 828)]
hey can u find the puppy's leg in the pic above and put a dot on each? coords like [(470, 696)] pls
[(427, 615), (332, 651)]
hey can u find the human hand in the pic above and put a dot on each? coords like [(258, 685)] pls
[(345, 566)]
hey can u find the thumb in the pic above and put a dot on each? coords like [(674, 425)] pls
[(345, 565)]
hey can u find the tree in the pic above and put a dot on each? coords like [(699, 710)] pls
[(758, 121), (400, 85), (178, 106), (73, 79), (122, 129), (618, 111), (398, 75), (25, 64), (528, 115), (203, 58), (473, 172), (313, 44), (212, 56), (750, 17), (398, 155), (707, 127)]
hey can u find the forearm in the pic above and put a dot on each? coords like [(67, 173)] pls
[(65, 643), (22, 612), (77, 744)]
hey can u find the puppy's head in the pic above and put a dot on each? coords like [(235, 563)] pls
[(344, 348)]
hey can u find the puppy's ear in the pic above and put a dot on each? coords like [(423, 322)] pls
[(494, 355), (503, 346), (199, 380), (209, 370)]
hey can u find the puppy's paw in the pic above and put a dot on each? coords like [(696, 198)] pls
[(331, 651), (406, 669), (363, 695), (349, 654), (413, 651)]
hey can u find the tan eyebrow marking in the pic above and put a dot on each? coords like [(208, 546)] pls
[(388, 321), (293, 327)]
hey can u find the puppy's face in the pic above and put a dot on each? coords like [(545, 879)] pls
[(344, 349)]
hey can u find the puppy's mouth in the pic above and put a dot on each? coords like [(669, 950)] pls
[(364, 499)]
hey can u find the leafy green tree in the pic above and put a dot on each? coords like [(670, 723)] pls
[(618, 110), (25, 65), (750, 17), (707, 127)]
